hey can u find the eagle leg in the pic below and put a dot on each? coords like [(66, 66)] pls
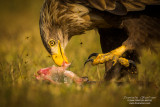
[(114, 56)]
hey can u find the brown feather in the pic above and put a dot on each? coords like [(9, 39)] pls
[(62, 19)]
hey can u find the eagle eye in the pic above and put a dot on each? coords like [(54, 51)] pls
[(51, 43)]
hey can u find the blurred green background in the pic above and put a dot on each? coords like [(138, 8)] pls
[(22, 54)]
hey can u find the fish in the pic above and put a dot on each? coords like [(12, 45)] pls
[(48, 74)]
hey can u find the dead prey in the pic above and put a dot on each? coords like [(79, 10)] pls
[(49, 74)]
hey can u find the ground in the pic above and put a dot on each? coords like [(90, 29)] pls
[(22, 54)]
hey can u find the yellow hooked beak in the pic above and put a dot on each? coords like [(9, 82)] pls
[(59, 58)]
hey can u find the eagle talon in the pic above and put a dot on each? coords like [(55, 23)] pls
[(114, 56), (91, 60), (133, 63), (93, 54), (88, 60)]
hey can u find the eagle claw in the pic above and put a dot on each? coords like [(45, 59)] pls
[(102, 58)]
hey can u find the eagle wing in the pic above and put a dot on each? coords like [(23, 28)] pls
[(119, 7)]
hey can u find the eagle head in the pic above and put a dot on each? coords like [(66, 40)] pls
[(55, 41)]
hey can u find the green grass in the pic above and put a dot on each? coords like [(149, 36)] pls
[(22, 54)]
